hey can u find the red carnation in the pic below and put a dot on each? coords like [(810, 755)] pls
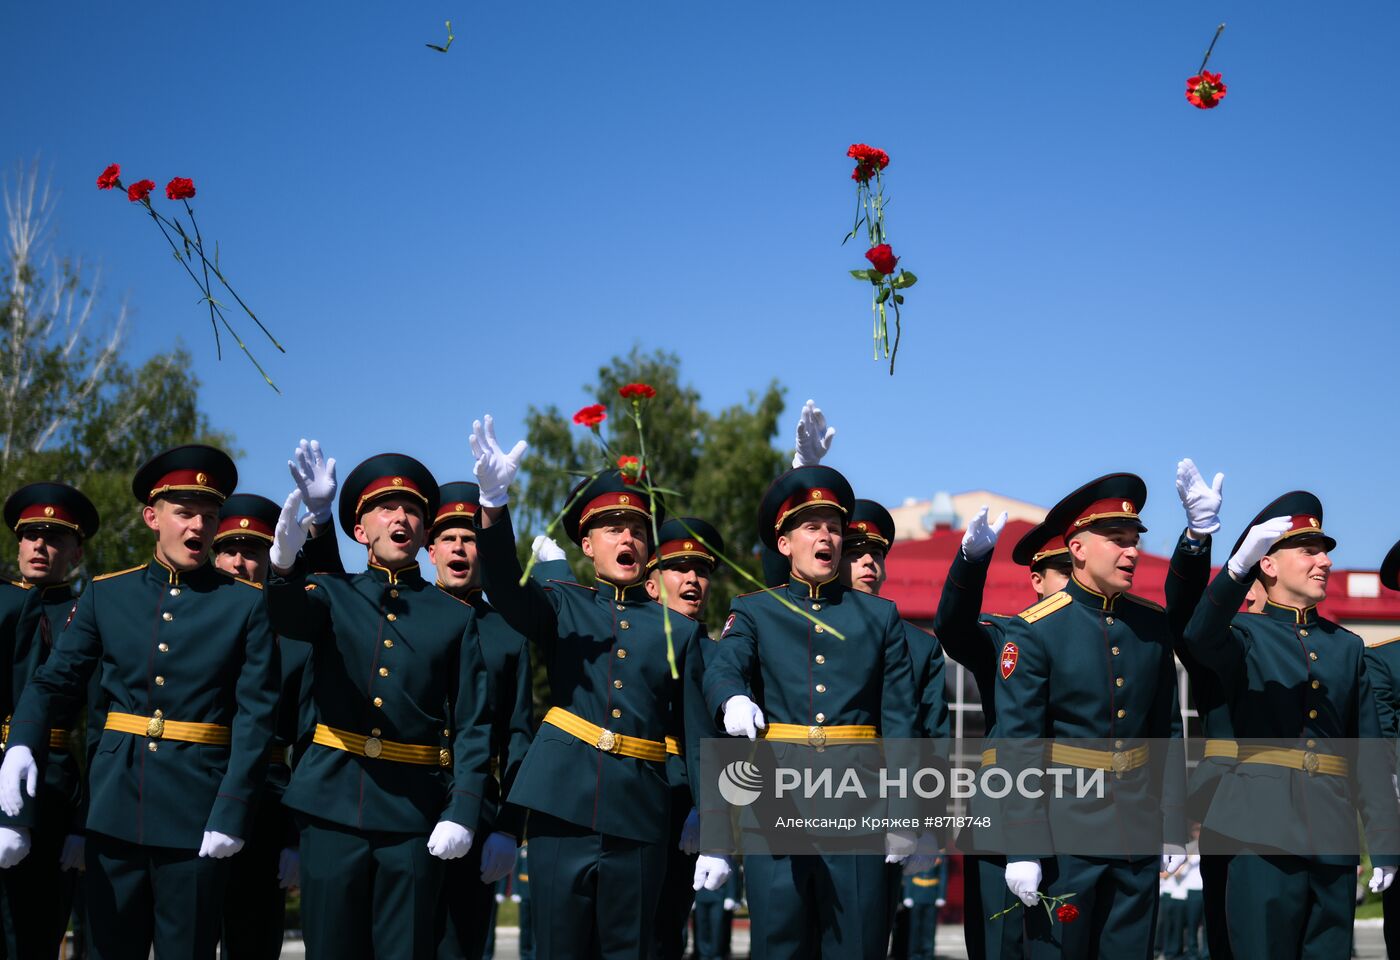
[(637, 391), (869, 160), (591, 416), (110, 178), (1067, 912), (882, 257), (180, 188), (1205, 90), (140, 190), (631, 469)]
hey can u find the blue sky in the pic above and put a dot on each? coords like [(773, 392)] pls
[(1110, 278)]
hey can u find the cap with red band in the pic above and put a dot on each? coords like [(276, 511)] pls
[(194, 470), (51, 504), (386, 475), (247, 515)]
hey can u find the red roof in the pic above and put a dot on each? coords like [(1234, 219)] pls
[(917, 569)]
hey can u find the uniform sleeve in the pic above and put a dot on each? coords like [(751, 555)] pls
[(511, 818), (731, 664), (1171, 773), (1387, 696), (1209, 636), (1023, 694), (24, 624), (321, 554), (256, 690), (899, 702), (958, 623), (528, 608), (933, 698), (297, 605), (1188, 574), (59, 687), (471, 738), (1371, 782), (697, 722)]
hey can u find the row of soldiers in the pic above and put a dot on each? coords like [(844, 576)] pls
[(269, 720)]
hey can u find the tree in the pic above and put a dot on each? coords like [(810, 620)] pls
[(71, 408)]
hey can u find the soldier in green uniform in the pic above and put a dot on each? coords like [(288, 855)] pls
[(714, 917), (1297, 689), (469, 883), (51, 522), (595, 778), (925, 893), (189, 680), (775, 671), (395, 663), (1093, 662), (1383, 665)]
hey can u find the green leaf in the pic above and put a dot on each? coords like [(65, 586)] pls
[(861, 274), (899, 298), (884, 295), (905, 280)]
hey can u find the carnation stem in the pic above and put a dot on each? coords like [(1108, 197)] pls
[(1218, 31), (645, 480), (893, 295)]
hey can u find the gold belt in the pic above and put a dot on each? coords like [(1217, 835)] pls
[(673, 747), (1294, 759), (156, 727), (1118, 761), (1226, 749), (58, 738), (605, 740), (377, 749), (820, 736), (989, 757)]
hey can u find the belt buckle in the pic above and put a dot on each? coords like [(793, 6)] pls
[(155, 726), (608, 742), (1311, 763), (816, 737), (1120, 763), (373, 747)]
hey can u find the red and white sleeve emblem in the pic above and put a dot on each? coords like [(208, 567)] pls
[(727, 624), (1009, 655)]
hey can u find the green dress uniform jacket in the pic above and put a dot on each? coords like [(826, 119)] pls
[(19, 617), (510, 705), (1383, 666), (927, 663), (391, 653), (604, 648), (1296, 680), (195, 646)]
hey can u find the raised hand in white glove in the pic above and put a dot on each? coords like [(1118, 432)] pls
[(730, 905), (289, 868), (19, 768), (1256, 544), (690, 833), (981, 536), (546, 549), (495, 469), (73, 856), (14, 846), (711, 872), (449, 840), (288, 537), (1381, 879), (1173, 856), (314, 476), (1023, 879), (742, 718), (813, 436), (497, 856), (217, 846), (1202, 502)]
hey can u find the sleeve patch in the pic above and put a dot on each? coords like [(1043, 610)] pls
[(727, 624), (1010, 653)]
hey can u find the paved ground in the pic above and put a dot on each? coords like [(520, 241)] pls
[(950, 943)]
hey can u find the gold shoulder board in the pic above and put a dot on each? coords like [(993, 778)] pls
[(1143, 601), (1044, 608), (1384, 642), (118, 573)]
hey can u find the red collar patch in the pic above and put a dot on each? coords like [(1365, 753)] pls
[(1009, 655)]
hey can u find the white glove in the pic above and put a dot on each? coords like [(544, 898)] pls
[(500, 898), (729, 905), (900, 845), (1256, 544), (314, 476), (1173, 856), (742, 718), (497, 857), (546, 549), (940, 904), (1023, 879), (73, 856), (288, 537), (690, 833), (514, 898), (1202, 502), (19, 766), (289, 868), (1381, 879), (218, 845), (14, 846), (813, 436), (495, 469), (711, 872), (908, 903), (449, 840), (981, 536)]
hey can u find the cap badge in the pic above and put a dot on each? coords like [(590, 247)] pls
[(816, 494), (48, 511), (1127, 507), (689, 545), (461, 506), (200, 478), (624, 499), (397, 481), (243, 523), (1313, 521)]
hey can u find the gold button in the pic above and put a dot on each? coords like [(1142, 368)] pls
[(163, 647), (820, 629), (1118, 744), (160, 681), (621, 607), (624, 624), (1122, 714), (392, 617), (821, 688), (816, 606), (621, 654), (1108, 620), (375, 732), (1312, 743), (383, 671), (1302, 633), (446, 732), (1116, 651), (1316, 684), (1118, 682), (820, 658), (1312, 656), (388, 643), (395, 595), (821, 718), (616, 713), (151, 746), (167, 616), (379, 701), (617, 684), (174, 591), (1312, 714), (159, 714)]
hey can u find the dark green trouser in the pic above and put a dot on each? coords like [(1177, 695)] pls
[(985, 894), (1171, 922), (367, 894), (835, 906), (673, 909), (1287, 907), (594, 895), (36, 897), (255, 905), (712, 926), (1194, 926), (923, 931), (1117, 901), (140, 896), (1215, 873), (467, 909)]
